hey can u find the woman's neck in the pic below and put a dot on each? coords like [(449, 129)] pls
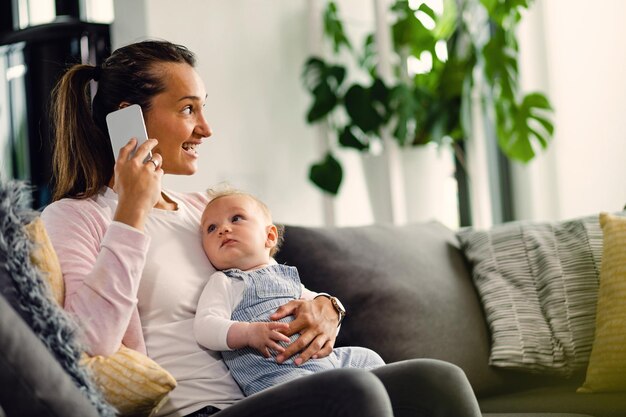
[(166, 203)]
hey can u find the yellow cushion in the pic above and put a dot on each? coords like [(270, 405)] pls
[(131, 382), (45, 259), (607, 365)]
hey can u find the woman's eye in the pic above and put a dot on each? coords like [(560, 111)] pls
[(211, 228), (187, 110)]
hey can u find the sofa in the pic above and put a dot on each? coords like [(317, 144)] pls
[(408, 291)]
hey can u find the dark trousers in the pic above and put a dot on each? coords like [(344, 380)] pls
[(412, 388)]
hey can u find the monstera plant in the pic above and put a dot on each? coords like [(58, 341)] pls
[(431, 105)]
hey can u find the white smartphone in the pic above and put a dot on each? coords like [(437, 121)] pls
[(125, 124)]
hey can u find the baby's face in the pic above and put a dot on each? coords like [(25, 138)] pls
[(235, 233)]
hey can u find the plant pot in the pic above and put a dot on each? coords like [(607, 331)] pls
[(429, 186)]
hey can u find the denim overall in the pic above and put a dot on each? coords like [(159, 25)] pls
[(266, 289)]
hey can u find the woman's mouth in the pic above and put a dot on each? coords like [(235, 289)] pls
[(190, 148)]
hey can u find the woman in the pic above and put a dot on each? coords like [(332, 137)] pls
[(134, 266)]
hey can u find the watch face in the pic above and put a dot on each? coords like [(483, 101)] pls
[(338, 305)]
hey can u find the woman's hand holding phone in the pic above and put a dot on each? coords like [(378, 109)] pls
[(137, 183)]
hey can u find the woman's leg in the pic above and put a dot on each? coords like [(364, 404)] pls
[(335, 393), (428, 388)]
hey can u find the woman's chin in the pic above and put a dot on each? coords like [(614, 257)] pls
[(186, 170)]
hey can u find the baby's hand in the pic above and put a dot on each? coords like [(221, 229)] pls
[(264, 336)]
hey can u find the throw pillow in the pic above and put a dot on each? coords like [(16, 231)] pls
[(607, 365), (538, 284), (130, 381)]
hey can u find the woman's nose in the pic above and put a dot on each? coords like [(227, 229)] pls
[(202, 128)]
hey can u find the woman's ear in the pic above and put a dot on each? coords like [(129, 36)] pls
[(272, 236), (123, 104)]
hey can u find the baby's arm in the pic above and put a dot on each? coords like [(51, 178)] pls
[(215, 307), (259, 335), (214, 329)]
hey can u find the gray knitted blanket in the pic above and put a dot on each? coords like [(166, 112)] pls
[(31, 295)]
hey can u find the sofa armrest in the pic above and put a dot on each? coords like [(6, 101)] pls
[(32, 381)]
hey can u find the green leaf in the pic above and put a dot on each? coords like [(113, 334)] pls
[(333, 28), (505, 13), (369, 58), (317, 71), (537, 100), (327, 174), (324, 82), (545, 123), (409, 32), (324, 101), (349, 140), (501, 65), (365, 108), (517, 134), (405, 105)]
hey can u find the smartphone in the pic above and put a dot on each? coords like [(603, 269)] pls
[(125, 124)]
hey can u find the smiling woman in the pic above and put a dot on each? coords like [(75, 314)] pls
[(112, 225)]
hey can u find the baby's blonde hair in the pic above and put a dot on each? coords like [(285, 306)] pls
[(225, 190)]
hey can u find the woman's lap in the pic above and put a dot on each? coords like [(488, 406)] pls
[(412, 388), (428, 387), (340, 392)]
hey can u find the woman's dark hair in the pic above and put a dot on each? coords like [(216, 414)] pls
[(83, 159)]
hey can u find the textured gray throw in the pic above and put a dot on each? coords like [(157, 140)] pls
[(31, 294)]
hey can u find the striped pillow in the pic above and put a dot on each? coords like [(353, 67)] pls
[(538, 283)]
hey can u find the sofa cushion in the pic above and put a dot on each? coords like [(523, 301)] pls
[(607, 365), (407, 291), (538, 283), (560, 398)]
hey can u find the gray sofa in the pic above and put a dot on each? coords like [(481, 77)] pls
[(409, 294)]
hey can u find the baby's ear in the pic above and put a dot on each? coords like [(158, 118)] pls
[(272, 236)]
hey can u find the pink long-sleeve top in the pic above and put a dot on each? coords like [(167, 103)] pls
[(102, 262)]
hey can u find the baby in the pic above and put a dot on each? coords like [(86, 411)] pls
[(240, 239)]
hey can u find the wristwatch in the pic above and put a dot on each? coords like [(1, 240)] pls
[(341, 310)]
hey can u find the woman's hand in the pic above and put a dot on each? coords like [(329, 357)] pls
[(316, 321), (137, 184)]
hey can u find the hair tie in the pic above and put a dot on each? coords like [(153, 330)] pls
[(96, 73)]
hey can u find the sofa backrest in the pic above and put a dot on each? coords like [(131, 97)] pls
[(408, 292)]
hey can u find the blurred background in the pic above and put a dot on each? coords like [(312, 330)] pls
[(252, 55)]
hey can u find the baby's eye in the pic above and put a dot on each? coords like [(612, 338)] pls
[(236, 218), (211, 228)]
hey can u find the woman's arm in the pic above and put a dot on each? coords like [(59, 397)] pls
[(102, 264)]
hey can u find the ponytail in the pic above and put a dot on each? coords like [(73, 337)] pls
[(82, 160)]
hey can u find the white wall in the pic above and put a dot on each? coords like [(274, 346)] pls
[(251, 54), (576, 52)]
